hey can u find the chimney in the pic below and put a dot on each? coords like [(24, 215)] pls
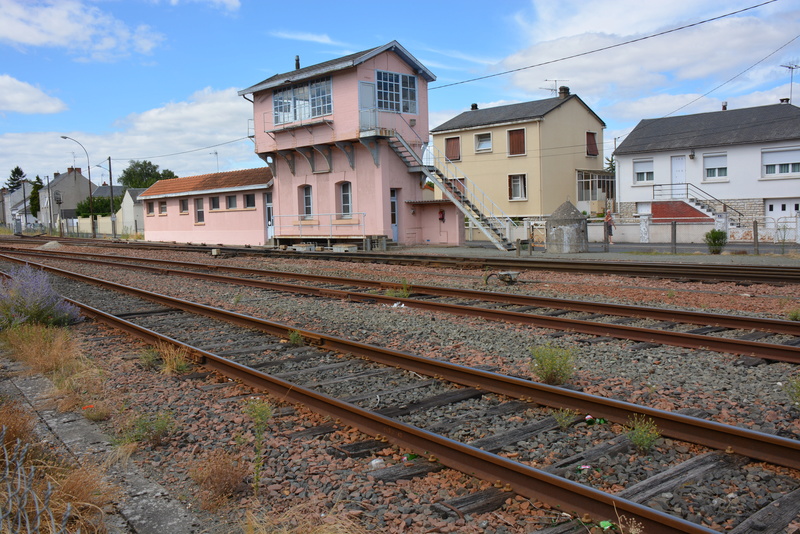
[(474, 107), (784, 100), (296, 62), (724, 106), (563, 91)]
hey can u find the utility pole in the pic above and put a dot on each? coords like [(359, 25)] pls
[(111, 194)]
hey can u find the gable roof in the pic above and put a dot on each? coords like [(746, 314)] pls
[(346, 62), (246, 179), (104, 191), (134, 193), (776, 122), (511, 113)]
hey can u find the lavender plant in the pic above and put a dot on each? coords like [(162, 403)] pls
[(28, 297)]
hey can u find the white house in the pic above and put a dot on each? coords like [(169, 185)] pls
[(131, 214), (745, 162)]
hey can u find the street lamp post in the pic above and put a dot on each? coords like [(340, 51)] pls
[(89, 170), (111, 196)]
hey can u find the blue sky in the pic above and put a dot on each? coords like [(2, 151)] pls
[(157, 80)]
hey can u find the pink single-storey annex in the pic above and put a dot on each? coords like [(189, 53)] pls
[(344, 140), (229, 208)]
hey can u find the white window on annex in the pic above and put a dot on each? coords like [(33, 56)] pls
[(345, 200), (715, 166), (483, 142), (308, 206), (302, 101), (396, 92), (517, 187), (643, 170), (781, 163)]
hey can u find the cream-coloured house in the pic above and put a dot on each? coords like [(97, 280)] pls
[(531, 157)]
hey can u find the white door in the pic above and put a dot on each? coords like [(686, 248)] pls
[(268, 212), (393, 214), (678, 182), (367, 106)]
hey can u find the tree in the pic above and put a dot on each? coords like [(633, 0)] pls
[(101, 206), (143, 174), (611, 164), (34, 198), (15, 179)]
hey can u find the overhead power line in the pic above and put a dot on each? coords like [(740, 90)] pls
[(596, 50)]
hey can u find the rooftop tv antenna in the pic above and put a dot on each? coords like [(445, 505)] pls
[(791, 67), (216, 154), (554, 89)]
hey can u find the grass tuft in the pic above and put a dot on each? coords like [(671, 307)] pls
[(310, 518), (552, 365), (219, 476), (643, 432), (175, 360)]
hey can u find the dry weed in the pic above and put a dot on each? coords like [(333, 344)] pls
[(19, 423), (175, 360), (310, 518), (88, 494), (43, 348), (219, 476)]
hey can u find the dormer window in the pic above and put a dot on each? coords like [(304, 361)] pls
[(303, 101), (397, 92)]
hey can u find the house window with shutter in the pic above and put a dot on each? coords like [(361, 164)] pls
[(516, 142), (199, 214), (591, 144), (715, 166), (517, 187), (643, 170), (452, 148)]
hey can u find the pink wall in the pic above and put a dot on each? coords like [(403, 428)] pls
[(242, 226)]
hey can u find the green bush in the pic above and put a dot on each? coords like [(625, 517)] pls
[(716, 241), (553, 365), (643, 432), (792, 388)]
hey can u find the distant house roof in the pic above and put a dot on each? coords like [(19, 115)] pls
[(346, 62), (259, 178), (134, 192), (104, 191), (511, 113), (776, 122)]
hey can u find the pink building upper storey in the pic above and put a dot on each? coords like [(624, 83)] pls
[(348, 162)]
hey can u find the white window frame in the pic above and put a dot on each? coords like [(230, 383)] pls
[(715, 167), (345, 197), (230, 202), (199, 213), (643, 171), (184, 205), (151, 207), (396, 92), (308, 202), (483, 142), (302, 101), (781, 163), (518, 187), (162, 207)]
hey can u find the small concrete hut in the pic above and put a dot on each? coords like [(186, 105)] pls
[(566, 230)]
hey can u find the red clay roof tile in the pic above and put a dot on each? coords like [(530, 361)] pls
[(206, 182)]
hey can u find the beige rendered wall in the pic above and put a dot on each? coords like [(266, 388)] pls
[(563, 151)]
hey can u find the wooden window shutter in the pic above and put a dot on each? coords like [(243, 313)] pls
[(591, 144), (452, 148), (516, 142), (510, 188)]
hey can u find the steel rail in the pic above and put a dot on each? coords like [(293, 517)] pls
[(770, 351), (757, 445), (779, 326), (693, 271), (569, 496)]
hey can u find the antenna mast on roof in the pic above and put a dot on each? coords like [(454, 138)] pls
[(791, 67), (554, 90)]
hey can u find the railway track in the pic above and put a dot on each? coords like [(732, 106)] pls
[(312, 374), (746, 274), (772, 339)]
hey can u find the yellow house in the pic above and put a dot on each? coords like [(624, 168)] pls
[(531, 157)]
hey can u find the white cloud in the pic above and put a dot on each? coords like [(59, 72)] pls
[(230, 5), (71, 24), (21, 97), (184, 133), (321, 38)]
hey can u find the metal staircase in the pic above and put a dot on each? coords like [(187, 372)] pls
[(456, 187)]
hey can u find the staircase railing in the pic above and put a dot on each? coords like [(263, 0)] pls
[(465, 194), (692, 192)]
